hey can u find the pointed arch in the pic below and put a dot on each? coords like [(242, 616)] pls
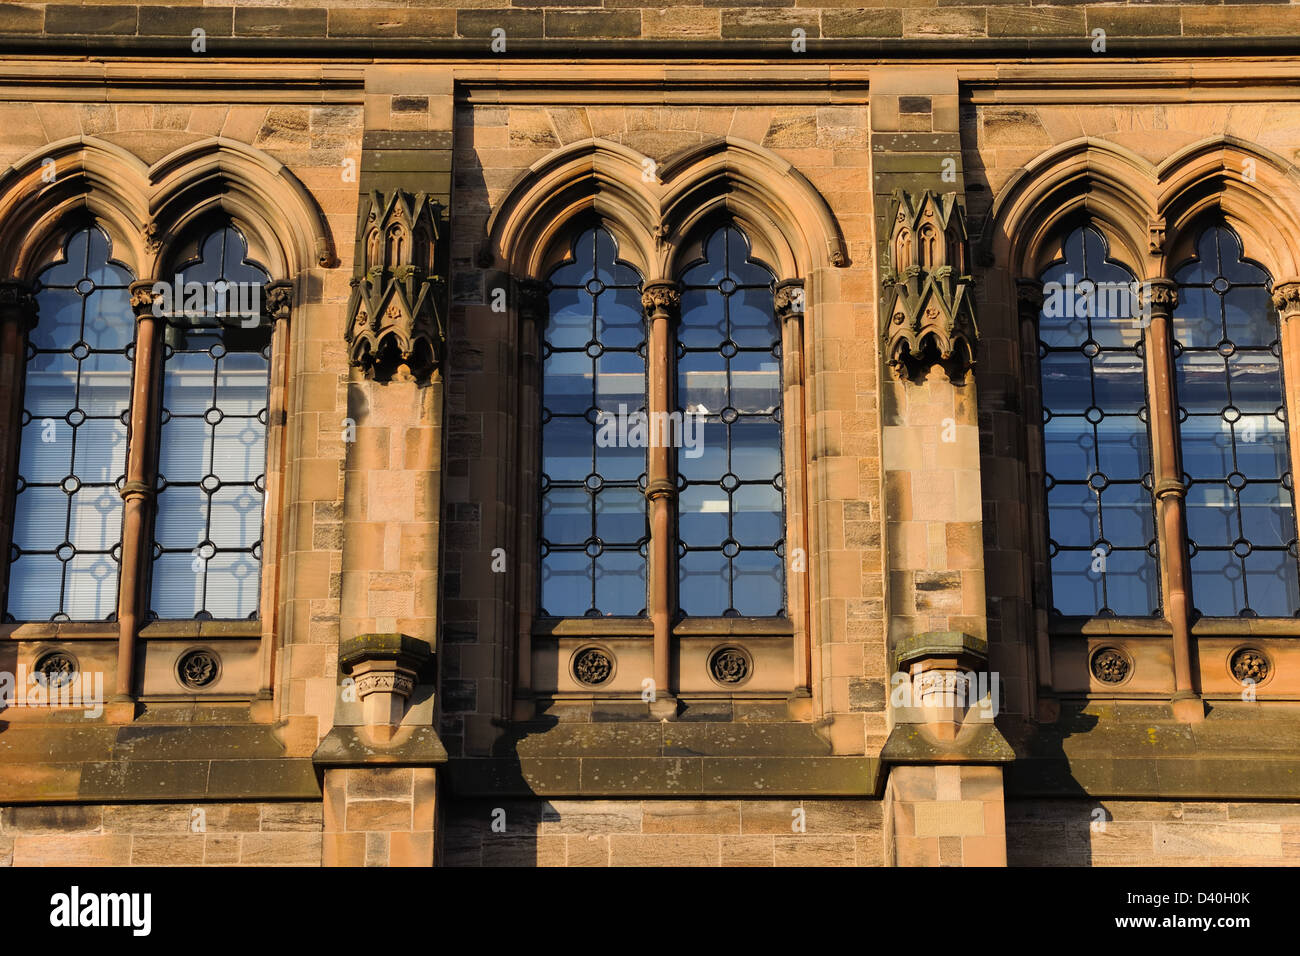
[(1256, 191), (1112, 187), (789, 223), (593, 177), (78, 176), (286, 230)]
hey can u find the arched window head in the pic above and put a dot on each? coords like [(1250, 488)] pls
[(594, 536), (1097, 449), (1233, 434), (212, 441), (66, 548), (731, 513)]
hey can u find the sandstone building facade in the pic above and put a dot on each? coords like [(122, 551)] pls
[(595, 434)]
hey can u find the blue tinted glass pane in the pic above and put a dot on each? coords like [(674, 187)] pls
[(1240, 517), (731, 514), (1097, 454), (72, 456), (212, 446), (594, 435)]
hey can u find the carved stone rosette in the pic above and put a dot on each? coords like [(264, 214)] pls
[(395, 325), (929, 313)]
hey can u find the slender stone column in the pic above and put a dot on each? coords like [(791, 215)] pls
[(662, 302), (790, 311), (1157, 302), (138, 490)]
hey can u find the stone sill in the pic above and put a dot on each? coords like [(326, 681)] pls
[(644, 627), (1158, 627), (107, 630)]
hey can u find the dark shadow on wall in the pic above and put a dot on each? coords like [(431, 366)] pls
[(1050, 818)]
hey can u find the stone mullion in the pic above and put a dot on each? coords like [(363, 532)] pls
[(277, 299), (1158, 300), (138, 492), (790, 310), (1029, 303), (17, 319), (532, 308), (1286, 299), (662, 302)]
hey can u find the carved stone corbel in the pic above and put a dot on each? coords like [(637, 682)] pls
[(385, 669), (928, 306), (396, 329), (277, 298)]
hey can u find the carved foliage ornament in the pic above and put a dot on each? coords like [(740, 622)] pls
[(593, 666), (1110, 665), (1250, 664), (929, 312), (730, 665), (395, 325), (198, 668)]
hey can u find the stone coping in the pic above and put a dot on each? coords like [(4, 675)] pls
[(1241, 751), (350, 747), (53, 763)]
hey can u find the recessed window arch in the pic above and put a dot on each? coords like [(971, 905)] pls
[(731, 508), (1096, 441), (594, 536), (65, 552), (212, 421), (1232, 423)]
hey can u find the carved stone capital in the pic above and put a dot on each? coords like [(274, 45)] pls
[(661, 300), (17, 303), (142, 300), (533, 301), (789, 299), (1029, 299), (1157, 297), (1286, 298)]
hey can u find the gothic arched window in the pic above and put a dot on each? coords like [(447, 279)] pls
[(66, 550), (1097, 449), (731, 510), (593, 511), (1233, 434), (212, 435)]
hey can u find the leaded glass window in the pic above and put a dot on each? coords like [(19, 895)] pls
[(1097, 450), (594, 535), (212, 448), (1233, 434), (66, 548), (731, 509)]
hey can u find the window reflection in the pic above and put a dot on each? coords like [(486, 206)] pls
[(593, 515), (1236, 457), (212, 446), (66, 551), (731, 512), (1096, 446)]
